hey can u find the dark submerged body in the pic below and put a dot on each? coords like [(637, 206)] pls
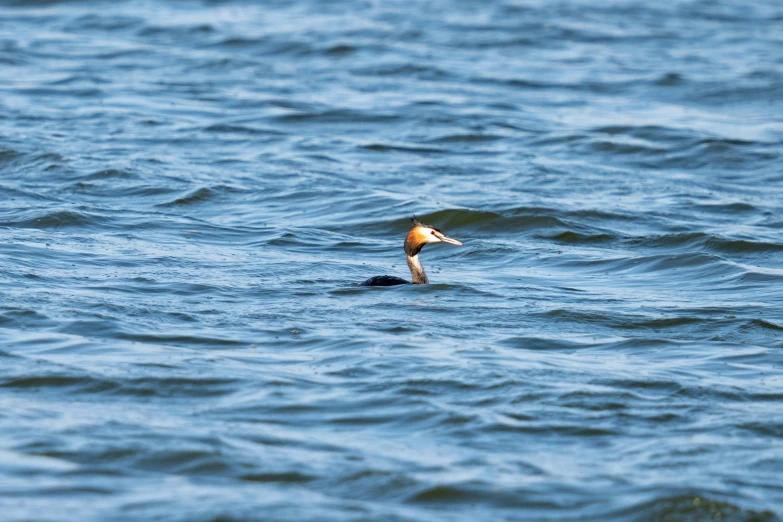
[(385, 280)]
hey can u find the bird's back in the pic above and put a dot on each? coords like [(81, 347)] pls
[(384, 280)]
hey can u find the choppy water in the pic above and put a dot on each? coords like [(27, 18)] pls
[(189, 193)]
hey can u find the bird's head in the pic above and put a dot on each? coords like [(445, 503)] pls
[(422, 234)]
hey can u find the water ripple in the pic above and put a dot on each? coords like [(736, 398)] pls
[(189, 196)]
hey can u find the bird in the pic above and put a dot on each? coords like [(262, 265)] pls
[(419, 236)]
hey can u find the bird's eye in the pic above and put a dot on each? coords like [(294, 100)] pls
[(433, 232)]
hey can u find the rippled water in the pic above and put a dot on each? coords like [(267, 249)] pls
[(190, 192)]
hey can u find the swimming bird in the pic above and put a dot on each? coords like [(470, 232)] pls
[(419, 236)]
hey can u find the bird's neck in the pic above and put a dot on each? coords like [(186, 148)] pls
[(417, 271)]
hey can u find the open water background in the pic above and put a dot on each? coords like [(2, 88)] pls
[(189, 192)]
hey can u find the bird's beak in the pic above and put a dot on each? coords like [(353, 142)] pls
[(447, 239)]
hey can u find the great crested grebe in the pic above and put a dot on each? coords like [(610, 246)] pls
[(419, 236)]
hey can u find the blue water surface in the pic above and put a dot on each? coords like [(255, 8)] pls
[(191, 191)]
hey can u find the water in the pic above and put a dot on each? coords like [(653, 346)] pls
[(190, 192)]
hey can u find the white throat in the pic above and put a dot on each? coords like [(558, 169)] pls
[(417, 271)]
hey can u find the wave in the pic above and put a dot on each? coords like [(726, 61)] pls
[(415, 149), (696, 506), (224, 128), (56, 219), (590, 227), (336, 116), (202, 195)]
